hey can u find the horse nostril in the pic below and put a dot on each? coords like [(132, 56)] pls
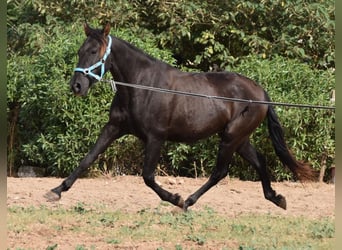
[(76, 87)]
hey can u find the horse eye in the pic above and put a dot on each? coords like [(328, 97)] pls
[(93, 52)]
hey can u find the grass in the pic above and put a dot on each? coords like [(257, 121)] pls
[(192, 230)]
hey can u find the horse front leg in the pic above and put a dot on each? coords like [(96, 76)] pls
[(152, 154), (109, 133)]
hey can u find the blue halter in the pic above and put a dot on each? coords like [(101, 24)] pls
[(101, 63)]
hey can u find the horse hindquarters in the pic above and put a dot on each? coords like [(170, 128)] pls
[(237, 131)]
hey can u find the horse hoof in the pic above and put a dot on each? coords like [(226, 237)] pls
[(185, 206), (281, 201), (52, 196)]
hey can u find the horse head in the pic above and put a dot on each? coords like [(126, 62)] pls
[(93, 59)]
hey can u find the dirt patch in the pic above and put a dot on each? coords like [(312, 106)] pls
[(230, 197)]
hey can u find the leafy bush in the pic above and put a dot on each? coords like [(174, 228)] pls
[(55, 129), (291, 41), (204, 33)]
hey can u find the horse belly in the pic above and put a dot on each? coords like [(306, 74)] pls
[(192, 124)]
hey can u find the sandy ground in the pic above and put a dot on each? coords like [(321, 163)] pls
[(230, 198)]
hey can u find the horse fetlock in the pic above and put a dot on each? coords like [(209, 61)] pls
[(177, 200), (189, 202), (279, 200)]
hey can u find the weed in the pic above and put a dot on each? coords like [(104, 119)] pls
[(79, 208), (113, 241), (178, 247), (168, 219), (238, 228), (246, 248), (323, 230), (187, 218), (108, 220), (200, 240), (52, 247), (80, 247)]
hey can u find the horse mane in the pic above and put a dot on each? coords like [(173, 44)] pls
[(139, 51), (97, 34)]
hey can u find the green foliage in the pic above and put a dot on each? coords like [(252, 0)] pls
[(38, 83), (53, 247), (192, 159), (203, 33), (221, 32), (292, 43)]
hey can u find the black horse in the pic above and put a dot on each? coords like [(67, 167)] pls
[(156, 117)]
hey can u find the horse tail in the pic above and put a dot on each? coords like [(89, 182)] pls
[(301, 170)]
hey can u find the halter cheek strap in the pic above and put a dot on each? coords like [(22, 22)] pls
[(101, 63)]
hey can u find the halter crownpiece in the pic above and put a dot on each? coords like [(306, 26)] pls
[(101, 63)]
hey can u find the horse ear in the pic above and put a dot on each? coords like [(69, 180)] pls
[(87, 29), (106, 29)]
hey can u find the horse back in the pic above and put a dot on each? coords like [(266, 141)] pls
[(189, 118)]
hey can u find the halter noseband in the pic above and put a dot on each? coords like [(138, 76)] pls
[(101, 63)]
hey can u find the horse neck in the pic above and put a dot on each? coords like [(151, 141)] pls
[(128, 64)]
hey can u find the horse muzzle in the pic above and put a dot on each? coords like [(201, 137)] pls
[(79, 86)]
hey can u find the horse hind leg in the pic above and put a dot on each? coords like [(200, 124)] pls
[(257, 160), (225, 153)]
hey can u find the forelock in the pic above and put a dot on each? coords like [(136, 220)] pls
[(98, 36)]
